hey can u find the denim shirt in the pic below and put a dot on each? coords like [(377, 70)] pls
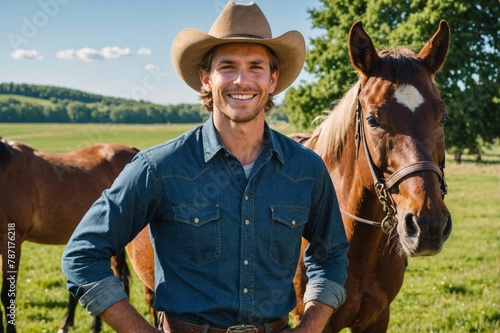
[(226, 246)]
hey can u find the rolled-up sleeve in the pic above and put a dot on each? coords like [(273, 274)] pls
[(326, 255), (111, 223), (100, 295)]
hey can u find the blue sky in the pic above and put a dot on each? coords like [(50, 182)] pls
[(117, 48)]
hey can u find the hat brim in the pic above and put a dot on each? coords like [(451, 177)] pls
[(191, 45)]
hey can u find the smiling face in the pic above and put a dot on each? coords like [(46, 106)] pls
[(240, 80)]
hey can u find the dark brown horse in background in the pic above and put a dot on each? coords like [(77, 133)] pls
[(384, 147), (44, 196)]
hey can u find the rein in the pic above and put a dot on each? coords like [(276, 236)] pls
[(382, 186)]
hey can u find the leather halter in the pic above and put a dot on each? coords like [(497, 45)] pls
[(382, 186)]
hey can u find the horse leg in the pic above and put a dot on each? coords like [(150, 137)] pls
[(69, 317), (96, 325), (11, 256), (150, 295), (121, 270)]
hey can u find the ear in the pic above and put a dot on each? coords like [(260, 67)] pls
[(362, 52), (434, 52), (274, 81), (205, 80)]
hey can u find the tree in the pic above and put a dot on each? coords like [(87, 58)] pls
[(469, 81), (78, 112)]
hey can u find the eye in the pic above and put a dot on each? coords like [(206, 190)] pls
[(372, 121)]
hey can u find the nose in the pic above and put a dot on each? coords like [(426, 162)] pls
[(424, 236), (241, 77)]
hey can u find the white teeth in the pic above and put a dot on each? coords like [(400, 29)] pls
[(241, 96)]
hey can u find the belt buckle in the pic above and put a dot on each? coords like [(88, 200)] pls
[(242, 329)]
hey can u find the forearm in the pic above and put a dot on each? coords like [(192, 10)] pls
[(124, 318), (315, 317)]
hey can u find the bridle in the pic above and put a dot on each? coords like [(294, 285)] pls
[(382, 186)]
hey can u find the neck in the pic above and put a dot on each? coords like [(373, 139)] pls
[(243, 139)]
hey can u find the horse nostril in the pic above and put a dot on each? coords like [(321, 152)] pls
[(447, 228), (411, 225)]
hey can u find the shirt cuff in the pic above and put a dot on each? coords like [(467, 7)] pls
[(102, 294), (325, 291)]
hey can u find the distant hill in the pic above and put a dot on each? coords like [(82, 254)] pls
[(26, 99), (40, 103)]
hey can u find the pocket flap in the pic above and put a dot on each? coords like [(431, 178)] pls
[(196, 215), (292, 216)]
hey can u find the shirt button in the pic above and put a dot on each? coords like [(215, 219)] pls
[(293, 222), (246, 197), (245, 262), (245, 290), (196, 220), (247, 222)]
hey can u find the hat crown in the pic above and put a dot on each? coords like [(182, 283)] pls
[(239, 20)]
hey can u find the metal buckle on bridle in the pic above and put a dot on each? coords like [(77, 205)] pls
[(383, 196), (242, 329)]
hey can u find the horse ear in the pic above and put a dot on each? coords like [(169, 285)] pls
[(434, 52), (362, 52), (5, 151)]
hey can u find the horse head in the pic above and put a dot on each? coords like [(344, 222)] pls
[(400, 137)]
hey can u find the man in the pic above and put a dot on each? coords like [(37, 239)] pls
[(227, 203)]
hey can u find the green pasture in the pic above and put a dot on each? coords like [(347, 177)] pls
[(26, 99), (456, 291)]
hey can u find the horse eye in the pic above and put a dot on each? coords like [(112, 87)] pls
[(372, 121)]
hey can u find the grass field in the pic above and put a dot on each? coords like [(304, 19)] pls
[(456, 291), (26, 99)]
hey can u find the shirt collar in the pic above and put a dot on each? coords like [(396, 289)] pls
[(212, 144)]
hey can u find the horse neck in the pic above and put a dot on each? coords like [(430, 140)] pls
[(359, 200)]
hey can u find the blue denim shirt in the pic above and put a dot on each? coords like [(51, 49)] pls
[(226, 246)]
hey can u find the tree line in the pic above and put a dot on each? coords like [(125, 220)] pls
[(65, 105)]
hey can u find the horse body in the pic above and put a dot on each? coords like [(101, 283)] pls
[(141, 254), (383, 145), (45, 195)]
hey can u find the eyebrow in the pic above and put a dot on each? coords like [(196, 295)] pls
[(229, 61)]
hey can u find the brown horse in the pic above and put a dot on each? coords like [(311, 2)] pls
[(44, 197), (141, 254), (384, 147)]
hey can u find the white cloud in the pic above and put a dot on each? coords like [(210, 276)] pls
[(115, 52), (26, 54), (151, 68), (89, 54), (143, 51)]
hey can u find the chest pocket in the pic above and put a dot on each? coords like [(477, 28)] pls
[(286, 233), (199, 233)]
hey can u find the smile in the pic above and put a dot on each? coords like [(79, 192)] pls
[(241, 97)]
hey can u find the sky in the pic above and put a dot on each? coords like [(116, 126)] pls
[(118, 48)]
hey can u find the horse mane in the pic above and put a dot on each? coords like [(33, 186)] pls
[(5, 151), (399, 66), (329, 136)]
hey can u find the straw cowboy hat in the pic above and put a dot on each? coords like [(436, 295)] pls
[(238, 23)]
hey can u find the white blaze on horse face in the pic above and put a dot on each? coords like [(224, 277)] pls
[(409, 96)]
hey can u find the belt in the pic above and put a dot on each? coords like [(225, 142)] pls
[(172, 325)]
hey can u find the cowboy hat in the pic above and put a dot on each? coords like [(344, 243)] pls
[(236, 24)]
